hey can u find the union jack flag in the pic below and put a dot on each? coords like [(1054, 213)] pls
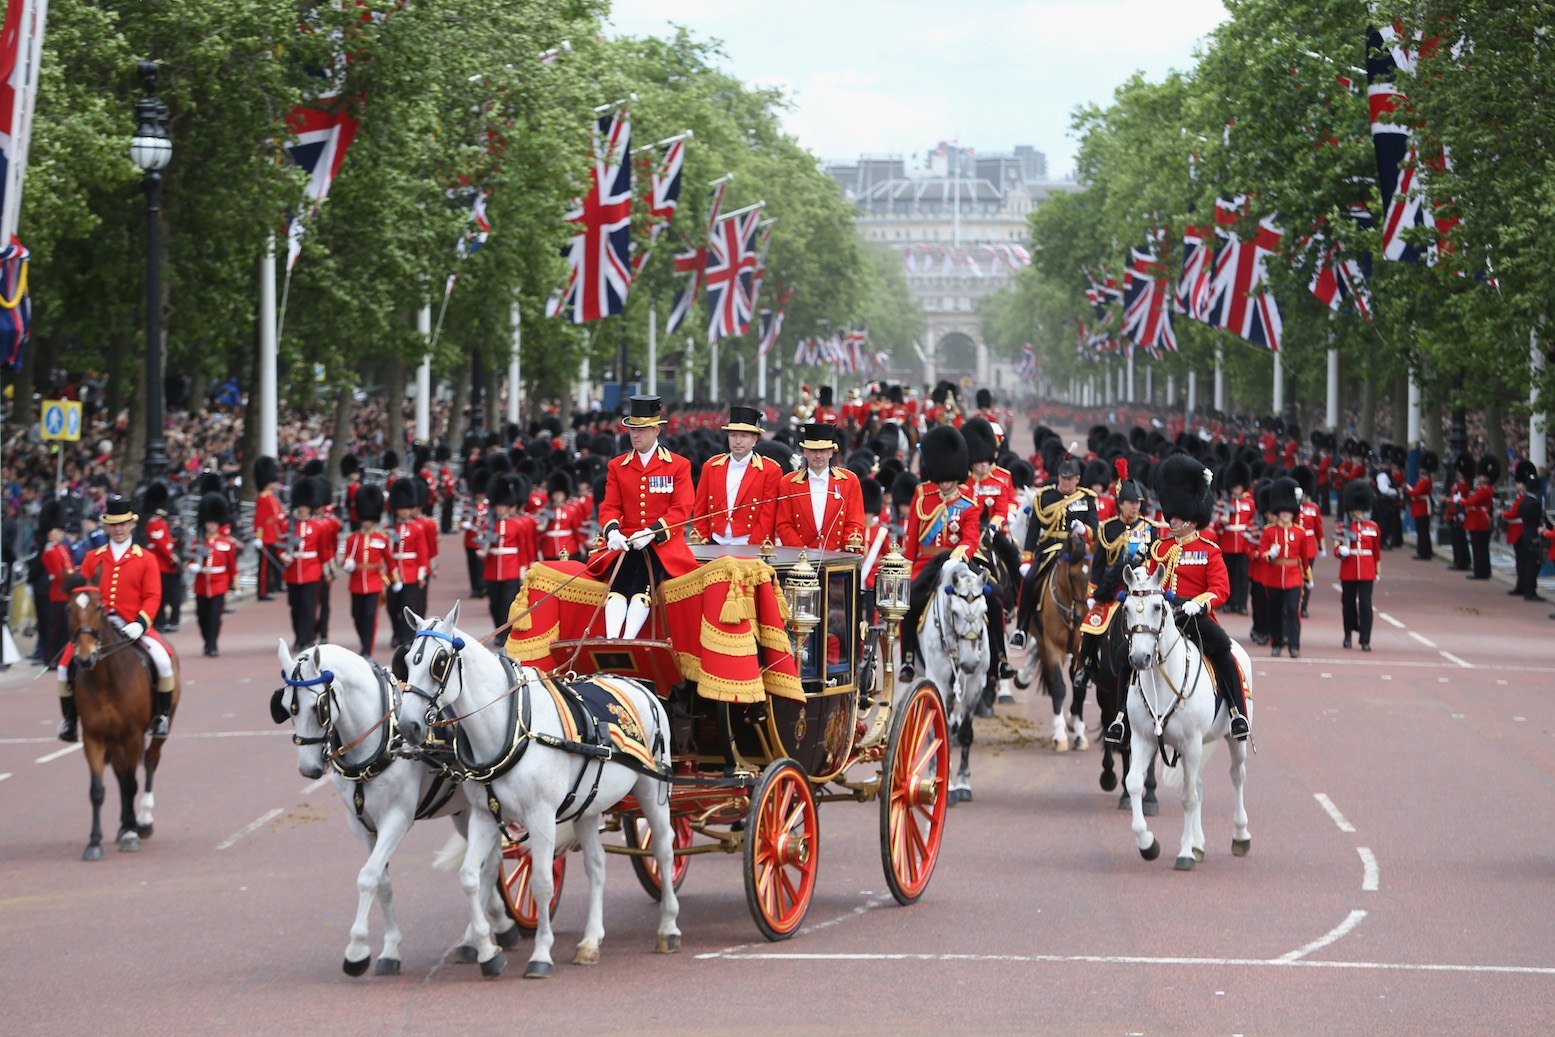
[(1192, 298), (764, 229), (692, 262), (1338, 277), (1399, 176), (15, 306), (599, 258), (1147, 318), (664, 179), (475, 236), (772, 323), (323, 135), (1239, 301), (731, 266), (21, 44)]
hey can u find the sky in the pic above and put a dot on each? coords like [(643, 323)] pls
[(897, 76)]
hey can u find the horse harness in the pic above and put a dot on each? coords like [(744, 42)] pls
[(939, 618), (1178, 696)]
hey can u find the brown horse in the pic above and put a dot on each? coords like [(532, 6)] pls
[(113, 700), (1060, 609)]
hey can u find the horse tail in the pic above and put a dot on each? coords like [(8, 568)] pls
[(451, 856), (1172, 777)]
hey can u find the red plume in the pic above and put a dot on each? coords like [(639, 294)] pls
[(1120, 465)]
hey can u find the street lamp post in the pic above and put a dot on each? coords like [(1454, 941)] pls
[(151, 150)]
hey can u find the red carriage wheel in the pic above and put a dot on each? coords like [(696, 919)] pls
[(782, 849), (516, 896), (639, 836), (914, 792)]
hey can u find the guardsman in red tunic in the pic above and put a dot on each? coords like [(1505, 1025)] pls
[(1311, 520), (1477, 506), (447, 487), (942, 526), (410, 560), (1195, 574), (1358, 543), (164, 548), (562, 536), (476, 524), (512, 548), (647, 505), (825, 408), (820, 507), (1283, 545), (368, 565), (736, 502), (1420, 504), (989, 486), (305, 554), (1236, 525), (131, 588), (426, 499), (213, 567), (269, 525), (1322, 465), (351, 471), (53, 630)]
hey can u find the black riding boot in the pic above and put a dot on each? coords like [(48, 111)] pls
[(161, 706), (1231, 686), (67, 709)]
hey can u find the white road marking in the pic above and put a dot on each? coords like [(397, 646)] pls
[(1369, 863), (1467, 666), (1338, 932), (253, 826), (1134, 959), (1422, 639), (4, 776), (1389, 619), (1333, 812), (57, 753), (737, 949), (46, 739)]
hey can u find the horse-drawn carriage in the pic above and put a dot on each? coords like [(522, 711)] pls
[(751, 764)]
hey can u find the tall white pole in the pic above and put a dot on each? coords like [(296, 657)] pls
[(653, 352), (583, 386), (1171, 389), (1279, 385), (515, 369), (1128, 395), (1538, 449), (1412, 424), (1220, 378), (424, 379), (761, 378), (1331, 417), (712, 374), (269, 442), (690, 345), (1149, 385)]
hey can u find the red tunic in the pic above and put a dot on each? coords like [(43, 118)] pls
[(131, 587), (513, 548), (996, 494), (408, 552), (473, 526), (936, 525), (1288, 547), (374, 563), (1513, 517), (269, 519), (315, 538), (1364, 540), (1312, 521), (159, 541), (842, 519), (1420, 497), (215, 573), (753, 512), (1476, 509), (1234, 535), (1195, 570), (57, 563), (655, 496)]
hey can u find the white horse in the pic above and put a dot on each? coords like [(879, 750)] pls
[(1019, 523), (346, 716), (508, 742), (1176, 705), (954, 646)]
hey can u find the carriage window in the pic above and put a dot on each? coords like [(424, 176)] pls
[(841, 632)]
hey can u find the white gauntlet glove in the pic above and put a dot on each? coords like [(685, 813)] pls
[(133, 630), (396, 586), (1343, 552), (640, 539), (350, 565), (615, 541), (1191, 607)]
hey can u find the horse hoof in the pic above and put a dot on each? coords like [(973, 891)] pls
[(1124, 803), (508, 940), (144, 831), (388, 967), (1079, 743), (1005, 698), (1152, 851), (586, 955), (668, 943), (1184, 864), (129, 842), (1151, 807), (464, 954), (1021, 684), (1060, 745), (538, 970), (1241, 847), (354, 968), (1109, 781), (1198, 854), (492, 967), (92, 853)]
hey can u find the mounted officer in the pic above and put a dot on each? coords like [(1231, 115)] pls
[(1060, 508)]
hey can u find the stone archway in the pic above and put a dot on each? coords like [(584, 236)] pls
[(956, 355)]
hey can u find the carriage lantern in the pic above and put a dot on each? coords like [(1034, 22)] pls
[(892, 585), (802, 589)]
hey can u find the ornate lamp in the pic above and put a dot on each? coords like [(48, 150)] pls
[(802, 590), (893, 583)]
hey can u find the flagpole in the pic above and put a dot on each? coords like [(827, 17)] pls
[(1538, 449), (1220, 377), (515, 361), (761, 374), (690, 344), (682, 135), (712, 374), (653, 350), (1279, 386), (424, 376)]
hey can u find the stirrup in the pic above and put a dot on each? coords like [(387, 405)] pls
[(159, 727), (1238, 726), (908, 671), (1115, 732)]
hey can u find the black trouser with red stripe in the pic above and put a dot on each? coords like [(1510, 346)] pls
[(1236, 572), (1284, 605), (364, 616), (207, 612), (477, 568), (1423, 537), (1355, 607), (304, 599), (411, 596), (271, 579), (322, 627), (1215, 643)]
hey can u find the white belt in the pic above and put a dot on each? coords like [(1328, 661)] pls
[(503, 551), (209, 572), (559, 532), (305, 554)]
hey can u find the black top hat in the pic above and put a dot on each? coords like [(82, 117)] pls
[(644, 412), (744, 419), (943, 455), (118, 509), (815, 435)]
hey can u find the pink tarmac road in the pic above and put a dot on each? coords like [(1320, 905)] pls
[(1400, 877)]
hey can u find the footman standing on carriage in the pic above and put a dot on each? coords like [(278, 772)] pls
[(821, 506), (942, 525), (648, 498), (1196, 573), (368, 564), (1060, 509), (131, 589), (736, 502), (213, 566), (1124, 539)]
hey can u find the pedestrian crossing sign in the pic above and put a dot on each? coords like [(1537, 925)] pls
[(60, 419)]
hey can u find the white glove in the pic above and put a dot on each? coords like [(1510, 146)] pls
[(192, 568), (615, 541), (1077, 527), (349, 565), (258, 544), (1457, 498), (640, 539), (396, 586), (1090, 603), (133, 630), (1343, 552), (1191, 607), (1272, 553)]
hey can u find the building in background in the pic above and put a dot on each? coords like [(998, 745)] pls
[(958, 221)]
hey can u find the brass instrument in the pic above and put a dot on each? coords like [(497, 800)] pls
[(804, 410)]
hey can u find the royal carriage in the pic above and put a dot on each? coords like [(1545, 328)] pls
[(781, 697)]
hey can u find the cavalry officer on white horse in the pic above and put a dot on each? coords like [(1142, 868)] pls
[(1195, 575), (648, 497), (942, 524), (1059, 509), (1124, 539), (131, 588)]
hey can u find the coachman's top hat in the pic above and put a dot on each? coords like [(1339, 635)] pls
[(744, 419), (644, 412), (817, 436), (116, 510)]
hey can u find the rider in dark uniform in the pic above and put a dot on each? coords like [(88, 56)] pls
[(1060, 508)]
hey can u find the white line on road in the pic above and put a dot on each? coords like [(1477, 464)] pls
[(1333, 812), (46, 739), (57, 753), (1422, 639), (1389, 619), (1467, 666), (253, 826), (4, 776), (1338, 932), (1369, 863)]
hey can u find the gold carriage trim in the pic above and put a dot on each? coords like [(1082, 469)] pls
[(725, 643), (773, 638), (721, 689), (536, 650), (578, 590)]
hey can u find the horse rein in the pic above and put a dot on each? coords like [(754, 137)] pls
[(1157, 659)]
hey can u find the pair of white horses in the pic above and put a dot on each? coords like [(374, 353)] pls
[(350, 720)]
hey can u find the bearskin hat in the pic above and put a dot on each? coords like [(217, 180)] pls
[(1039, 435), (1464, 466), (349, 466), (1237, 473), (306, 494), (1490, 467), (779, 452), (874, 495), (942, 391), (157, 497), (559, 482), (504, 490), (890, 468), (525, 487), (1429, 462), (51, 515), (943, 455), (391, 460), (1114, 445), (1096, 436), (266, 471), (903, 487), (1096, 473), (984, 398), (825, 397), (1285, 495), (1306, 478), (402, 494), (1261, 496), (313, 469), (210, 482), (1357, 495), (441, 452), (213, 508), (1525, 472), (498, 463), (421, 455), (982, 443), (894, 394), (1182, 485)]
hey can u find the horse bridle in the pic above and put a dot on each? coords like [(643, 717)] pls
[(1157, 660), (324, 707), (950, 592), (440, 668), (1071, 613), (281, 710)]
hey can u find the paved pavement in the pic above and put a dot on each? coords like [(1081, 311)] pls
[(1399, 880)]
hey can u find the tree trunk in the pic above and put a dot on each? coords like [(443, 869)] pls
[(23, 414), (1368, 408), (456, 419), (340, 439), (1495, 435), (130, 461), (394, 404), (1400, 434), (1431, 427)]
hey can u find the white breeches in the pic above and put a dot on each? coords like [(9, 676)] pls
[(159, 658)]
